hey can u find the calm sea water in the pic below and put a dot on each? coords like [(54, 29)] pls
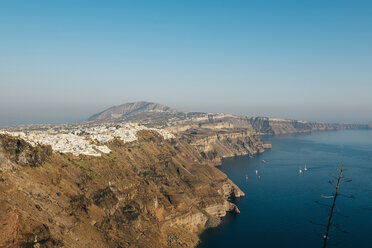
[(279, 208)]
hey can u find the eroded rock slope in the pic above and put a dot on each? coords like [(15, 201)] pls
[(147, 193)]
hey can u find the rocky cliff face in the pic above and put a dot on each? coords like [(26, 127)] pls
[(216, 146), (273, 126), (22, 153), (261, 125), (148, 193)]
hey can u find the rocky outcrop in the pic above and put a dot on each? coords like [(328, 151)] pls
[(217, 146), (261, 125), (17, 232), (148, 193), (21, 152)]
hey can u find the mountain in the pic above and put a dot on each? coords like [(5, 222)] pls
[(148, 113), (130, 109), (153, 114)]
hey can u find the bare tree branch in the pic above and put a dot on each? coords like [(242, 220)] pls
[(340, 176)]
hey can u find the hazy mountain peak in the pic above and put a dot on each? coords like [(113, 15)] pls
[(127, 109)]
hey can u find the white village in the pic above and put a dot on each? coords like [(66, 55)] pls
[(80, 140)]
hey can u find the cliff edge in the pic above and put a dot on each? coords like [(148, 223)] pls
[(150, 192)]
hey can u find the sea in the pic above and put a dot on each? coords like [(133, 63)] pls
[(286, 205)]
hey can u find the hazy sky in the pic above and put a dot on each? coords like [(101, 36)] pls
[(63, 61)]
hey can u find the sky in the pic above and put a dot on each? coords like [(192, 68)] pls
[(62, 61)]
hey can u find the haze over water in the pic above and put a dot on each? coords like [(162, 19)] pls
[(279, 208)]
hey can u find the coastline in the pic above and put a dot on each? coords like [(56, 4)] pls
[(188, 193)]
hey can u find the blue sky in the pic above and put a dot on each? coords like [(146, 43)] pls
[(62, 61)]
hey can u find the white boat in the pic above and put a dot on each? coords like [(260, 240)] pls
[(256, 172), (305, 168), (300, 171)]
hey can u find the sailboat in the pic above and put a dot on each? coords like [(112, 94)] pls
[(305, 168)]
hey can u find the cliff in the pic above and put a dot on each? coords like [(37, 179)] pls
[(147, 193), (275, 126), (214, 146), (260, 125)]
